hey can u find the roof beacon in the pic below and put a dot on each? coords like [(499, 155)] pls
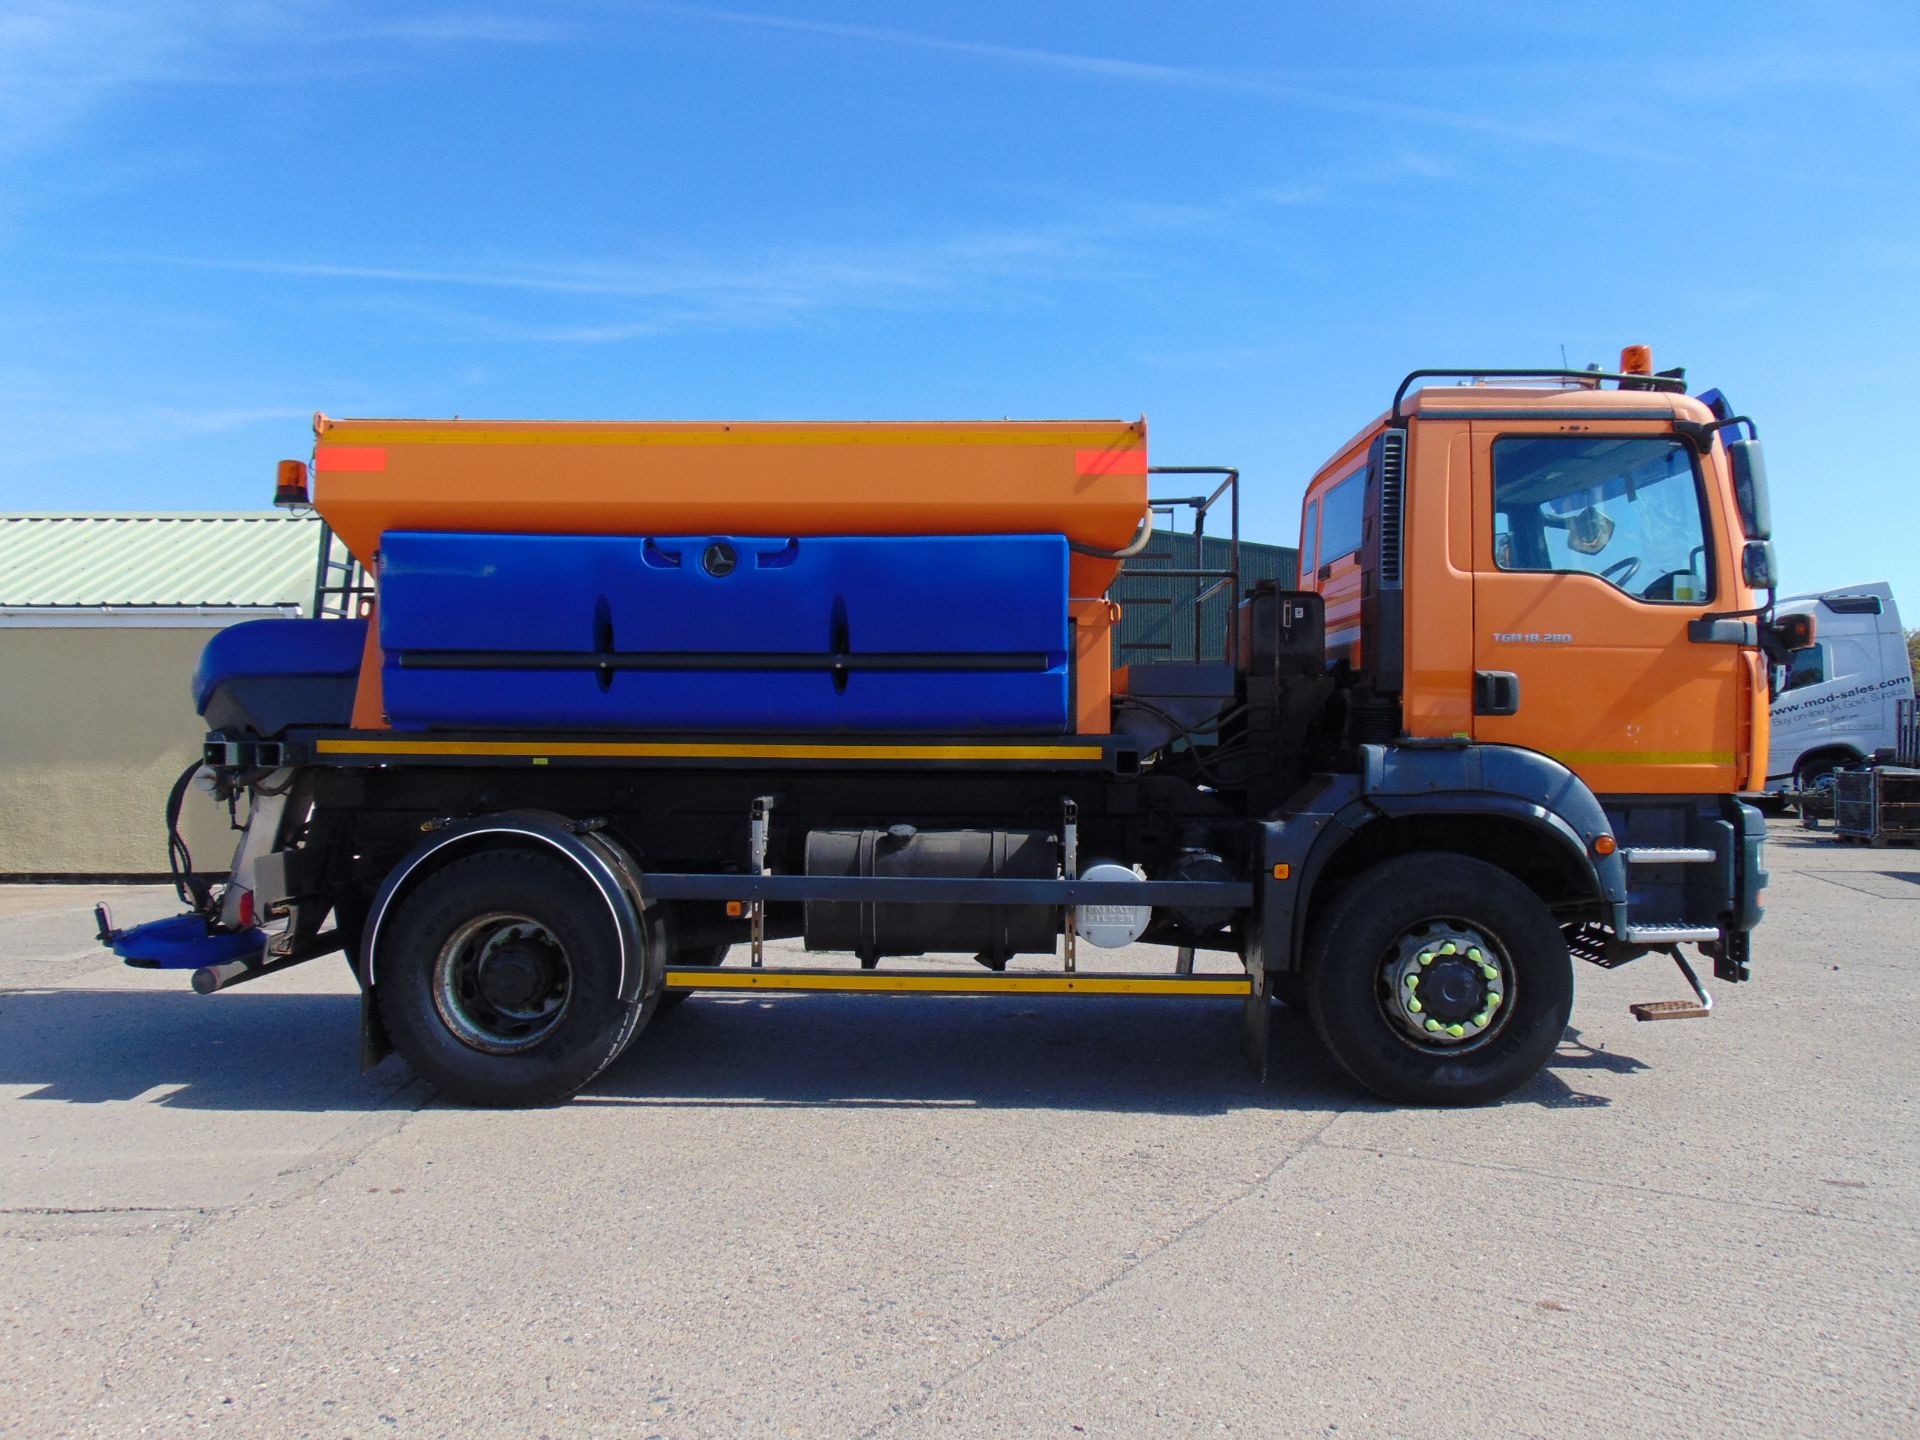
[(290, 485)]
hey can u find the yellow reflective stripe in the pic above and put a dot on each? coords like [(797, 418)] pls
[(1643, 757), (644, 750), (1122, 434), (953, 984)]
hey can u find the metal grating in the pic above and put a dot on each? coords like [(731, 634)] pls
[(1393, 479), (1154, 609), (1853, 803)]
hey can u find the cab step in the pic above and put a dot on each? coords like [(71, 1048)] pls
[(1670, 1010), (1664, 935), (1668, 855), (1698, 1008)]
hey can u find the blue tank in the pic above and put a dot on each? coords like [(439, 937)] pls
[(727, 634)]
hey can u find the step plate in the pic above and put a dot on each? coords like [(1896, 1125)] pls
[(1669, 1010), (1671, 855)]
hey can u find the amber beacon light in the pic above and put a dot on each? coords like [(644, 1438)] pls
[(290, 485), (1636, 360)]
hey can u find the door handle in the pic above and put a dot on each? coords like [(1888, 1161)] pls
[(1496, 692)]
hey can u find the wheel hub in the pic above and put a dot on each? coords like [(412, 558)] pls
[(501, 982), (1445, 984), (514, 972)]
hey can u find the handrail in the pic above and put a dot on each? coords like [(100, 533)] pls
[(1201, 505), (1588, 379)]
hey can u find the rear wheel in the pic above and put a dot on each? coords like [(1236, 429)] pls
[(499, 980), (1436, 979)]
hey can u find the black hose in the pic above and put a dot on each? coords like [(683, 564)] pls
[(1140, 541), (1184, 732), (193, 890)]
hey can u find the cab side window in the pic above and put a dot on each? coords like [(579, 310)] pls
[(1343, 517), (1626, 509), (1806, 667)]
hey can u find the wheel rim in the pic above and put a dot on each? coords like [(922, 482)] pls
[(1446, 985), (501, 982)]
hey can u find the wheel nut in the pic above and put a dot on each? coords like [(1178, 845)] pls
[(1456, 1031), (1433, 1024)]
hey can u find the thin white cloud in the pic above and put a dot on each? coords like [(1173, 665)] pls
[(1148, 73), (599, 302), (50, 421), (63, 60), (457, 27), (757, 290)]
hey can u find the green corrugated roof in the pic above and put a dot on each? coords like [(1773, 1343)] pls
[(156, 560)]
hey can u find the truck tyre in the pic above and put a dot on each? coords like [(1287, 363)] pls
[(499, 980), (1437, 979), (704, 956)]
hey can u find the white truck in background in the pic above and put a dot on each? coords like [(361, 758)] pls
[(1838, 700)]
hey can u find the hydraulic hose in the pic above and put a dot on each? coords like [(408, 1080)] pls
[(1139, 542)]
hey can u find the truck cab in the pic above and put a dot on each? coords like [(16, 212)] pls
[(1578, 566), (1838, 698)]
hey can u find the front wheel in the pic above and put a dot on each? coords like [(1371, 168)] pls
[(499, 980), (1437, 979)]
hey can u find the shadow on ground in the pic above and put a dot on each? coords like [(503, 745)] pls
[(300, 1052)]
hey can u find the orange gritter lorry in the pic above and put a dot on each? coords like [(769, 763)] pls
[(597, 710)]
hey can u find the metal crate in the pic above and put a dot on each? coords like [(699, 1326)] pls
[(1853, 804), (1880, 805), (1896, 803)]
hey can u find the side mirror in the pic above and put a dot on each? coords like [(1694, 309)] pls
[(1757, 566), (1795, 632), (1749, 467)]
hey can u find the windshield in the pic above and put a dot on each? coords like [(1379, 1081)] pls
[(1624, 508)]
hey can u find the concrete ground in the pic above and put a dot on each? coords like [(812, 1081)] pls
[(909, 1217)]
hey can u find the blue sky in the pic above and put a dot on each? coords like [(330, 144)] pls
[(1245, 221)]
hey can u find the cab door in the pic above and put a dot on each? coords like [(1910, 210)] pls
[(1594, 546)]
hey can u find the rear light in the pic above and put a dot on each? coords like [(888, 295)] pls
[(290, 485), (243, 912)]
